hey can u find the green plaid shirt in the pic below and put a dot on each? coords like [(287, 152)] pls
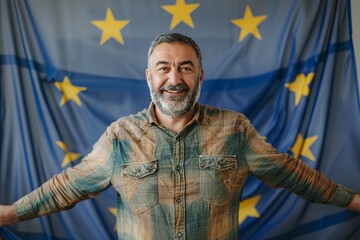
[(179, 186)]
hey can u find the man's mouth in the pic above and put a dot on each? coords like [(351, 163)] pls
[(180, 88), (174, 92)]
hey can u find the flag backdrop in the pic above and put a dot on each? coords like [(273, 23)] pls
[(70, 68)]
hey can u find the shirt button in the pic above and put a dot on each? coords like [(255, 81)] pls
[(178, 168), (179, 234), (178, 200), (177, 138)]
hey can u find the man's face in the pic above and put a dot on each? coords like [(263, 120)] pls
[(174, 78)]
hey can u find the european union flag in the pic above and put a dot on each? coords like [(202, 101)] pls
[(70, 68)]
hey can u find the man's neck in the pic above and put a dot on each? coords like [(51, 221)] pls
[(174, 124)]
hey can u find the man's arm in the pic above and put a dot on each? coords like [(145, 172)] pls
[(355, 203), (8, 215)]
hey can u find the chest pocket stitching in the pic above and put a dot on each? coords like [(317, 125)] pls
[(220, 179), (218, 162), (140, 184), (139, 170)]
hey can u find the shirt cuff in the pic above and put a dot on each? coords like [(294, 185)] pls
[(24, 209), (342, 196)]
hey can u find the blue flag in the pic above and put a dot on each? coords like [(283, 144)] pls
[(70, 68)]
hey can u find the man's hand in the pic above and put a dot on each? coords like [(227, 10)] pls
[(8, 215), (355, 203)]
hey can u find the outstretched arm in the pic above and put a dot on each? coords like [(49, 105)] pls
[(355, 203), (8, 215)]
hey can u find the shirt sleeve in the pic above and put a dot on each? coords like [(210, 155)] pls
[(85, 180), (280, 170)]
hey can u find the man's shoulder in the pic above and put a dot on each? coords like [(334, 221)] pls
[(214, 112), (222, 120), (130, 127)]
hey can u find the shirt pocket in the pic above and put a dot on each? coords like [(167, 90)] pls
[(220, 178), (140, 184)]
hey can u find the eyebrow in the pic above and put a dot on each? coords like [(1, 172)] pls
[(162, 63), (181, 63), (186, 62)]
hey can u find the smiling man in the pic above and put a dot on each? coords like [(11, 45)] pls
[(179, 167), (174, 76)]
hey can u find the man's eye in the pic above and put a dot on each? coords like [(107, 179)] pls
[(163, 69), (186, 69)]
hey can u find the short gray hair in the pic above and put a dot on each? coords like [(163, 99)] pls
[(175, 38)]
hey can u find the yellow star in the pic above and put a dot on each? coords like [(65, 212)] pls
[(70, 92), (181, 13), (302, 147), (113, 211), (249, 24), (110, 27), (69, 157), (248, 209), (300, 86)]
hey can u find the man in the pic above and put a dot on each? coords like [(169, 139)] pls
[(178, 167)]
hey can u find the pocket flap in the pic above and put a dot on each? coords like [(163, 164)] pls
[(218, 162), (139, 170)]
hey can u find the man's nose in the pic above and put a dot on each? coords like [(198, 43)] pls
[(175, 77)]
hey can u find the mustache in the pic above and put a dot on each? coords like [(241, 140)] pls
[(178, 87)]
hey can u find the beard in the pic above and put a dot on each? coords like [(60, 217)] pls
[(175, 106)]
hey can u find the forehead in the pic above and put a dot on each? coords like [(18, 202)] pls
[(173, 53)]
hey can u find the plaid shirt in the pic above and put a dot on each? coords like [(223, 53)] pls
[(179, 186)]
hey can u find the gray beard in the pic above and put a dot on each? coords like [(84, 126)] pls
[(175, 107)]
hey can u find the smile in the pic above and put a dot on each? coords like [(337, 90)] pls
[(180, 88), (174, 91)]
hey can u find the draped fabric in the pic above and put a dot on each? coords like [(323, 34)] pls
[(70, 68)]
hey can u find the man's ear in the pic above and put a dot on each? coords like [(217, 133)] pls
[(201, 76), (147, 74)]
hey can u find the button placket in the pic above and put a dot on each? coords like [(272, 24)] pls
[(179, 182)]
